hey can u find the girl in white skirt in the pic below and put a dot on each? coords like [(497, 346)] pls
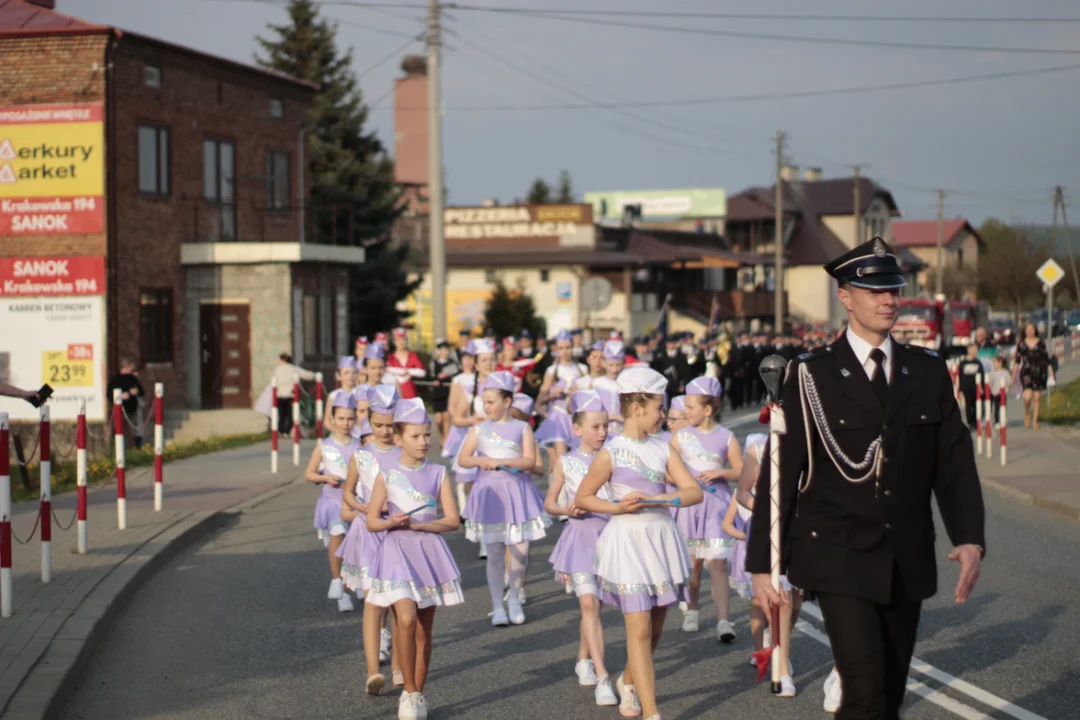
[(642, 564)]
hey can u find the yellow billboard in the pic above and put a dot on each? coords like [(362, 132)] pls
[(464, 310), (52, 169)]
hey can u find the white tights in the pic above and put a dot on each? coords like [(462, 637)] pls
[(496, 570)]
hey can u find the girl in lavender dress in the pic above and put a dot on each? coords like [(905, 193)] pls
[(614, 362), (556, 433), (641, 560), (521, 408), (413, 571), (575, 552), (595, 362), (346, 383), (329, 466), (713, 455), (505, 510), (362, 393), (361, 545), (737, 525)]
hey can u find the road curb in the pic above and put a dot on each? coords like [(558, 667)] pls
[(1061, 509), (46, 691)]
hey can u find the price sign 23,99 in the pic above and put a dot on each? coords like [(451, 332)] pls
[(73, 367)]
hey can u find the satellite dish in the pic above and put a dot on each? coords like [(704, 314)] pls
[(596, 294)]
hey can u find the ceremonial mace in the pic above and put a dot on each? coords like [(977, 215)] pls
[(772, 374)]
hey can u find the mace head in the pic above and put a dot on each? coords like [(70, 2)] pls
[(772, 374)]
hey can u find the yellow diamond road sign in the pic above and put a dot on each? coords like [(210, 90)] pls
[(1050, 273)]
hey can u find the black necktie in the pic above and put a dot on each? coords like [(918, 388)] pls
[(877, 379)]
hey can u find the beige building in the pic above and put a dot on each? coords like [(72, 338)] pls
[(960, 252)]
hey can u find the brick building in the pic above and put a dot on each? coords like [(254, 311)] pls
[(186, 196)]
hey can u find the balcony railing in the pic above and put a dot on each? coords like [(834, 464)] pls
[(323, 224)]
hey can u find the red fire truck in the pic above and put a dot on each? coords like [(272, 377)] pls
[(924, 322)]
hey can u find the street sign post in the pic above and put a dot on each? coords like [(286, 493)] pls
[(1051, 274)]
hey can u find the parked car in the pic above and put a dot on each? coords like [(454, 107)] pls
[(1002, 331), (1072, 319), (1038, 317)]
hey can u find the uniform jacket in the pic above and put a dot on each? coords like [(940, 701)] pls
[(842, 537)]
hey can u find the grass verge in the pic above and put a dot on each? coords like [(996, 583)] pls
[(1065, 404), (101, 471)]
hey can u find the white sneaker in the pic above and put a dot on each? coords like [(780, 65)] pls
[(604, 693), (483, 551), (586, 672), (344, 603), (517, 615), (690, 621), (683, 606), (421, 706), (787, 687), (834, 696), (521, 596), (407, 708), (628, 700), (725, 631), (384, 645), (498, 618), (335, 590)]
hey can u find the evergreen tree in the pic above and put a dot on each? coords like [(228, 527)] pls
[(565, 193), (508, 312), (354, 199), (539, 193)]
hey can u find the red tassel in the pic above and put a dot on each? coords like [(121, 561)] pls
[(763, 417), (762, 658)]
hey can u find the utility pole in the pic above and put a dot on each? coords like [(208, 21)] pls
[(1059, 200), (436, 240), (778, 256), (940, 241), (859, 234)]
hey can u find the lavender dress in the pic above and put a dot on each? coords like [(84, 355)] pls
[(575, 552), (701, 524), (503, 507), (412, 564), (455, 438), (641, 558), (335, 462), (558, 425), (360, 543)]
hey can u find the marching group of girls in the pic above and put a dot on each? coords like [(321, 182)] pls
[(646, 509)]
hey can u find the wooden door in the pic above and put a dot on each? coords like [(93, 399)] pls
[(225, 331), (235, 355)]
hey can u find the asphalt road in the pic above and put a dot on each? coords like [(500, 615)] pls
[(241, 628)]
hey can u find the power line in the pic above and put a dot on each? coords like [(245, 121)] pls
[(792, 38), (795, 94), (390, 56)]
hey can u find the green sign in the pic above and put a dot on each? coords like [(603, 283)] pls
[(691, 203)]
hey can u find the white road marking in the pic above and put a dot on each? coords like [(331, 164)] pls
[(921, 666), (954, 706)]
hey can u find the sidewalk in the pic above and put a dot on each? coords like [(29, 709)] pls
[(54, 628), (1042, 466)]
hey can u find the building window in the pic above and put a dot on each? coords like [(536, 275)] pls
[(960, 258), (277, 108), (155, 325), (153, 160), (277, 180), (152, 76), (545, 276), (489, 276), (219, 183), (318, 325)]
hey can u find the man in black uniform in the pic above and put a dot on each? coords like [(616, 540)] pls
[(881, 431)]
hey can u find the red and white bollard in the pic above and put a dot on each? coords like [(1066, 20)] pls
[(296, 420), (978, 419), (121, 478), (80, 477), (988, 413), (1004, 420), (273, 426), (45, 472), (5, 518), (159, 443), (319, 406)]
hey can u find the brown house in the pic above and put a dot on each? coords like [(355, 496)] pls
[(961, 244), (182, 203)]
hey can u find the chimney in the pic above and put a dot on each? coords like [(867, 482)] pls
[(414, 65), (811, 174), (490, 202), (47, 4), (411, 132), (789, 172)]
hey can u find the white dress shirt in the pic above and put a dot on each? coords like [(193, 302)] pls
[(862, 349)]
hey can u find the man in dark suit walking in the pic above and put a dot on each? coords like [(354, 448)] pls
[(873, 429)]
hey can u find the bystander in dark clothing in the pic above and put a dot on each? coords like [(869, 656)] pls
[(127, 382)]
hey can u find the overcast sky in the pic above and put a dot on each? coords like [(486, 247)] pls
[(998, 146)]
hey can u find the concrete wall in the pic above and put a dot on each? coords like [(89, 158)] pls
[(267, 288)]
